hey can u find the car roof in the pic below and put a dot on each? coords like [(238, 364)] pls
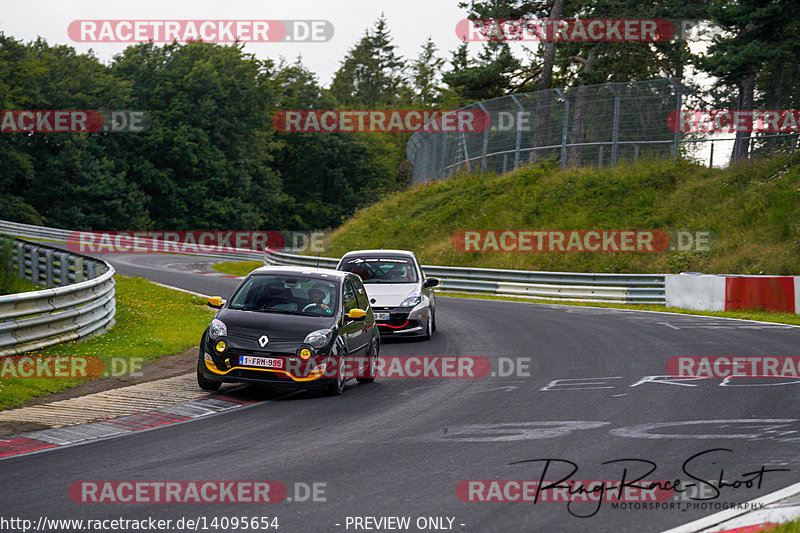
[(379, 252), (294, 270)]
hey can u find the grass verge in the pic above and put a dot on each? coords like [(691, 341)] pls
[(16, 286), (240, 268), (151, 321), (788, 527), (761, 316), (752, 209)]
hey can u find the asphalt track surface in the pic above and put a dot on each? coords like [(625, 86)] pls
[(400, 447)]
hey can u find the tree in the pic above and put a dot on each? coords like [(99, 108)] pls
[(760, 44), (371, 74), (425, 73)]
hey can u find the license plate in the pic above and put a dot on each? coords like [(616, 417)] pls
[(382, 316), (263, 362)]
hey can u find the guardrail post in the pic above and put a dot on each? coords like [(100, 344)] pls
[(63, 270), (48, 269), (21, 260), (78, 269), (90, 270), (34, 265)]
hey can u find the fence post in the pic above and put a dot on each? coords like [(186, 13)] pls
[(679, 103), (518, 121), (615, 131), (564, 127), (485, 138), (444, 152), (711, 159)]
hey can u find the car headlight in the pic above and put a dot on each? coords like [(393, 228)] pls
[(217, 329), (413, 299), (319, 338)]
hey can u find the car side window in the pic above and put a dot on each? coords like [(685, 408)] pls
[(361, 293), (349, 296)]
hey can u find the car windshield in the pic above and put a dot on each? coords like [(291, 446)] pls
[(286, 294), (384, 269)]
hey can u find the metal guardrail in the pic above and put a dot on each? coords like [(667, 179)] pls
[(572, 286), (80, 303), (27, 231)]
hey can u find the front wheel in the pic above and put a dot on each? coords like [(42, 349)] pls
[(206, 384), (337, 386), (429, 326), (369, 374)]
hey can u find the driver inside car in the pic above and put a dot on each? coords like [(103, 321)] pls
[(316, 297)]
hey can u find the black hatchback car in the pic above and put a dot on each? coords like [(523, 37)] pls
[(296, 327)]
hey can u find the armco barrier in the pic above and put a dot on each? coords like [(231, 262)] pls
[(28, 231), (705, 292), (575, 286), (81, 302)]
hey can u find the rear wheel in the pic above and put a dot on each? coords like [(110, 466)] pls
[(369, 373), (206, 384)]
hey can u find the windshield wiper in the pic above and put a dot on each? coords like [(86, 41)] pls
[(282, 311), (242, 308)]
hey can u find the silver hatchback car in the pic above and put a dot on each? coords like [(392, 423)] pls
[(402, 297)]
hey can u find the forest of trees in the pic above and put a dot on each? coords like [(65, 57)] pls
[(212, 159)]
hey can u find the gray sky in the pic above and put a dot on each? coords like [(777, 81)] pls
[(410, 22)]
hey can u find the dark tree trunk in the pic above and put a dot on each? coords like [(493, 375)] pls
[(580, 114), (741, 146), (544, 101)]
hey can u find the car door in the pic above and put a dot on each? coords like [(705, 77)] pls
[(355, 331), (428, 291), (369, 321)]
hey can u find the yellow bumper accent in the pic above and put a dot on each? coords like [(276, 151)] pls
[(315, 374)]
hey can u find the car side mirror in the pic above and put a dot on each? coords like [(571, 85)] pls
[(216, 302), (356, 314), (430, 282)]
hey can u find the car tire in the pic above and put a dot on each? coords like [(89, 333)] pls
[(434, 320), (337, 385), (374, 353), (428, 327), (205, 383)]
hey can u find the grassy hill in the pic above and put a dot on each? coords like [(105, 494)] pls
[(752, 209)]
